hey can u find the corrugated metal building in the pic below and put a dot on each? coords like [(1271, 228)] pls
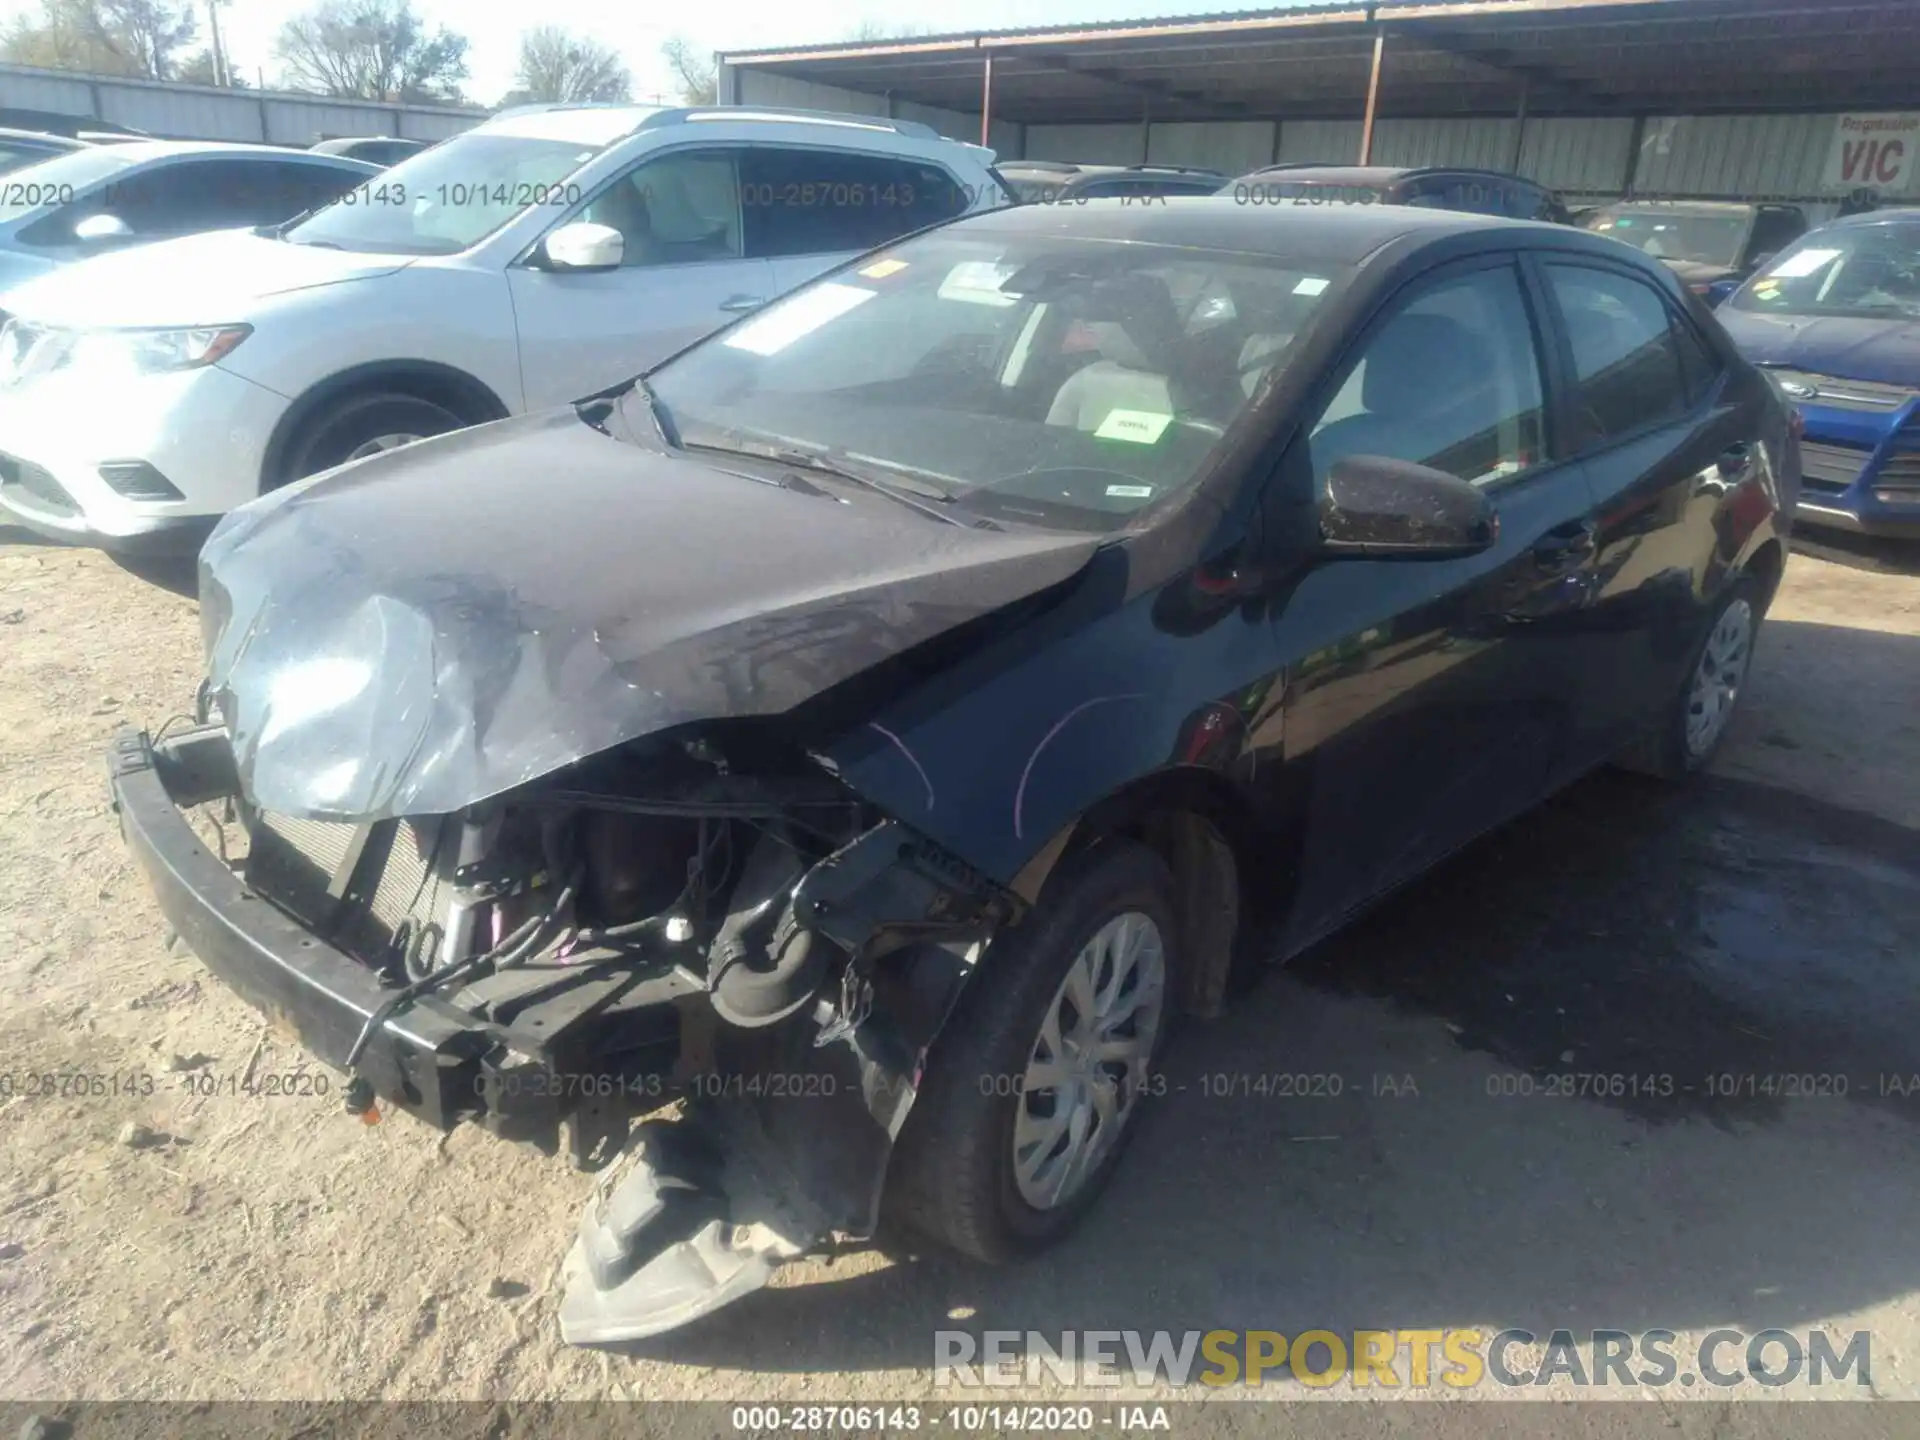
[(1728, 99), (199, 112)]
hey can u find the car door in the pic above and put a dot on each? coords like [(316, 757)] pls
[(808, 209), (682, 275), (1661, 443), (1433, 700)]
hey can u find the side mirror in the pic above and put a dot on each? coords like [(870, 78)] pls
[(1719, 290), (101, 229), (584, 246), (1379, 508)]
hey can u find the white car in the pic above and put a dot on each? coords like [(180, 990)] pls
[(537, 258)]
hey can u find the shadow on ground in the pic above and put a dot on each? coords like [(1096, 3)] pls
[(1860, 552), (178, 574), (1708, 935), (1648, 1057)]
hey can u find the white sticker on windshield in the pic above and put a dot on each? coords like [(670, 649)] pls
[(978, 283), (1142, 427), (1130, 492), (774, 329), (1804, 262), (1312, 285)]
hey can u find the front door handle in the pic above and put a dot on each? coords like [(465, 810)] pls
[(741, 304), (1566, 547), (1735, 461)]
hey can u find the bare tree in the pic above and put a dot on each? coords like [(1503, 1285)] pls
[(199, 69), (371, 50), (693, 72), (562, 67), (152, 31), (105, 37)]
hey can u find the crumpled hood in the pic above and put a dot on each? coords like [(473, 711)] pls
[(194, 280), (420, 631), (1846, 347)]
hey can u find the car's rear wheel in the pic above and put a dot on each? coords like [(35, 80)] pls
[(1695, 723), (363, 425), (1033, 1090)]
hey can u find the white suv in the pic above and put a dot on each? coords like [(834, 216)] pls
[(542, 256)]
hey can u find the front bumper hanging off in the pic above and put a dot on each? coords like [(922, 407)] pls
[(786, 1133)]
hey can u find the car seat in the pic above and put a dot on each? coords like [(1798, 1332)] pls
[(1136, 331)]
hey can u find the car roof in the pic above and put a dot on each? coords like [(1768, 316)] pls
[(1695, 207), (52, 142), (1907, 214), (1378, 174), (1341, 234), (137, 151)]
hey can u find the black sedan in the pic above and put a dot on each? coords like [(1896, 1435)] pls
[(877, 724)]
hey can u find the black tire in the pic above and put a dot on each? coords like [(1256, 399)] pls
[(1663, 752), (952, 1176), (344, 426)]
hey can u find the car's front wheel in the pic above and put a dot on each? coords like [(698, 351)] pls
[(364, 425), (1036, 1083)]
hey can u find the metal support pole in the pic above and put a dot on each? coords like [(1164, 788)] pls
[(1636, 138), (1373, 98), (221, 75), (1146, 132), (986, 100), (1519, 126)]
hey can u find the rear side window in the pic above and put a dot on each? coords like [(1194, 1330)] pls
[(1626, 352), (1699, 366), (1773, 231), (1476, 194), (279, 190), (821, 202)]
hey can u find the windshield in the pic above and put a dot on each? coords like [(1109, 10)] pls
[(57, 181), (452, 196), (1866, 270), (1058, 382), (1667, 234)]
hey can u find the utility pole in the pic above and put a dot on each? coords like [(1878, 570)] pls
[(221, 76)]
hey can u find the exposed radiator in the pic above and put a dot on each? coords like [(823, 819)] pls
[(357, 901)]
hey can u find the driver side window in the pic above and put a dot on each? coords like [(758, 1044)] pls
[(681, 208), (1451, 379)]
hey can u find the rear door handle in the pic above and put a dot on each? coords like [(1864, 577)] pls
[(1566, 547), (741, 304), (1735, 461)]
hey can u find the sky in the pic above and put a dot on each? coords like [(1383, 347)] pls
[(493, 26)]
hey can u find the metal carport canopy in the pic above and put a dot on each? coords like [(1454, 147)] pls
[(1439, 58)]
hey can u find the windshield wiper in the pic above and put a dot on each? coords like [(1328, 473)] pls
[(914, 497), (662, 417)]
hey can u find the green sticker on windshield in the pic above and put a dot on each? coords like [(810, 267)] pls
[(1142, 427)]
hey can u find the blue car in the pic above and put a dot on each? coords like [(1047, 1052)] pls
[(1835, 319)]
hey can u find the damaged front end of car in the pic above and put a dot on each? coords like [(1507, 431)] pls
[(696, 917), (532, 837)]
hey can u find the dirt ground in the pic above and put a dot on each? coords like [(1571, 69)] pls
[(1766, 920)]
